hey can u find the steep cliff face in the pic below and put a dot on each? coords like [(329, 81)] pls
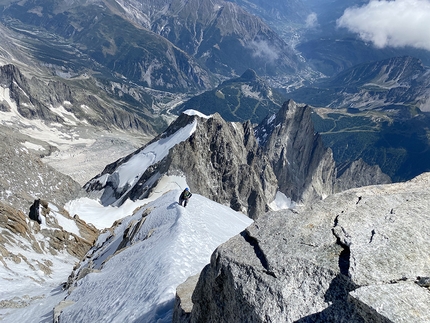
[(358, 174), (220, 160), (357, 256), (230, 163), (18, 88), (225, 164), (305, 168), (51, 100), (221, 34)]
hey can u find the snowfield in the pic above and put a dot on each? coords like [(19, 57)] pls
[(146, 249), (138, 284)]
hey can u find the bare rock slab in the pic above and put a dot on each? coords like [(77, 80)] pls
[(398, 303)]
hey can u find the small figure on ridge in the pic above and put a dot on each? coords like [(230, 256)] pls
[(185, 196)]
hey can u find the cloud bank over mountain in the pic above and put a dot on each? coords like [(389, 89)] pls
[(395, 23)]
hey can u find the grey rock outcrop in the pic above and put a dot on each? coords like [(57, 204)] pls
[(220, 161), (358, 174), (24, 177), (305, 168), (400, 302), (353, 257), (183, 301)]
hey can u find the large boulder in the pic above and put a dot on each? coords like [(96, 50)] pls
[(348, 258)]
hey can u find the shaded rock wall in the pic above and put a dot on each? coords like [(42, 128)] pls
[(358, 174), (305, 168)]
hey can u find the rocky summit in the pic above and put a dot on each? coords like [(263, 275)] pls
[(358, 256), (235, 164)]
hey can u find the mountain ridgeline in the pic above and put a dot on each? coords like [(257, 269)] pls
[(139, 44), (37, 98), (247, 97), (393, 85), (236, 164)]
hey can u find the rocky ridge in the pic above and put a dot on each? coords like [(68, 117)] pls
[(358, 256), (24, 177), (235, 164), (34, 252), (220, 161), (305, 168), (54, 101)]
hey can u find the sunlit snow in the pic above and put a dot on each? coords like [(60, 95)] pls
[(282, 202), (130, 171), (192, 112), (138, 284)]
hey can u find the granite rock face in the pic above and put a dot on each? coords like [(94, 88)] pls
[(220, 160), (358, 174), (236, 164), (354, 257), (305, 168)]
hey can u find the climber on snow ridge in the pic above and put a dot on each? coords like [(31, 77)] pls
[(185, 196)]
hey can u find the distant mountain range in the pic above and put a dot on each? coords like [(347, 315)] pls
[(375, 111), (247, 97), (392, 84), (380, 114), (144, 43)]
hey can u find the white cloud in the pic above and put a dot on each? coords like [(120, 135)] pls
[(262, 49), (396, 23), (312, 20)]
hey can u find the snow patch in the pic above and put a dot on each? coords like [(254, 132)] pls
[(130, 171), (30, 145), (68, 117), (282, 202), (67, 224), (192, 112)]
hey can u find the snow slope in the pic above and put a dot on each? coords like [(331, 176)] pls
[(32, 274), (138, 283), (127, 174), (135, 279)]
